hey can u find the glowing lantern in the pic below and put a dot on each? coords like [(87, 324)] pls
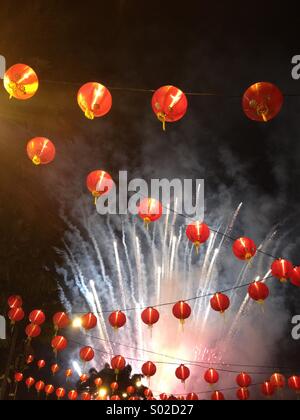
[(243, 394), (95, 100), (19, 377), (278, 381), (130, 390), (84, 378), (41, 364), (262, 102), (182, 373), (244, 380), (198, 233), (220, 303), (55, 369), (15, 302), (59, 344), (86, 396), (87, 354), (39, 386), (98, 382), (149, 369), (30, 359), (16, 315), (282, 269), (73, 395), (61, 321), (169, 104), (32, 331), (60, 393), (41, 151), (295, 276), (117, 320), (114, 387), (211, 376), (267, 389), (118, 363), (148, 393), (49, 390), (21, 82), (89, 321), (37, 317), (150, 210), (294, 383), (182, 311), (115, 398), (259, 292), (29, 383), (150, 316), (244, 249), (99, 183), (192, 397), (69, 374), (217, 396)]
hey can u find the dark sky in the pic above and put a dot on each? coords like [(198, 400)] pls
[(218, 47)]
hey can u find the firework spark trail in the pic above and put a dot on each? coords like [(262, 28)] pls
[(131, 275), (120, 277)]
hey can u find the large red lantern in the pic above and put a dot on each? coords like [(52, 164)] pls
[(149, 369), (55, 369), (243, 394), (41, 151), (32, 331), (267, 389), (15, 302), (60, 393), (217, 396), (192, 397), (262, 102), (39, 386), (220, 303), (150, 210), (278, 381), (16, 315), (99, 183), (21, 82), (19, 377), (49, 390), (282, 269), (211, 376), (244, 380), (182, 311), (117, 319), (294, 383), (37, 317), (198, 233), (61, 321), (87, 354), (59, 343), (73, 395), (29, 383), (258, 291), (150, 316), (244, 249), (169, 104), (95, 100), (182, 373), (41, 364), (295, 276), (89, 321), (118, 363)]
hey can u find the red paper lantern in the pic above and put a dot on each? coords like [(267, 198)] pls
[(244, 249), (21, 82), (69, 373), (85, 396), (114, 387), (150, 210), (32, 331), (55, 369), (39, 386), (60, 393), (29, 383), (16, 315), (41, 364), (262, 102), (220, 303), (267, 389), (149, 369), (192, 397), (198, 233), (87, 354), (37, 317), (282, 269), (244, 380), (294, 383), (148, 393), (99, 183), (98, 382), (115, 398), (89, 321), (182, 373), (49, 390), (278, 381), (182, 311), (95, 100), (217, 396), (29, 359), (59, 343), (211, 376), (150, 316), (73, 395), (84, 378), (15, 302), (41, 151), (130, 390), (118, 363), (259, 291), (117, 319), (61, 321), (243, 394), (295, 276), (19, 377), (169, 104)]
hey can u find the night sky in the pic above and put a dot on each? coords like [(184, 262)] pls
[(212, 47)]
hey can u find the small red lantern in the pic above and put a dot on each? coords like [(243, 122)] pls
[(15, 302), (41, 364), (244, 380), (59, 344), (150, 210), (89, 321), (69, 373), (29, 359), (99, 183), (282, 269), (217, 396), (149, 369), (61, 321), (115, 398), (294, 383), (84, 378), (98, 382), (16, 315), (182, 373), (41, 151), (244, 249), (220, 303), (169, 104), (130, 390), (114, 387), (211, 376), (262, 102), (39, 386), (87, 354), (243, 394), (73, 395), (150, 316), (19, 377), (118, 363), (198, 233), (259, 292), (192, 397), (278, 381), (37, 317), (49, 390), (55, 369), (117, 320), (182, 311), (295, 276), (95, 100), (86, 396), (32, 331), (60, 393), (267, 389), (29, 383), (21, 82), (148, 393)]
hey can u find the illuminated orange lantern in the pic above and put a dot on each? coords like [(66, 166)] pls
[(117, 320), (19, 377), (69, 374), (150, 210), (41, 151), (60, 393), (130, 390), (243, 394), (98, 382), (41, 364), (89, 321), (259, 292), (118, 363), (73, 395), (198, 233), (262, 102), (150, 316), (37, 317), (39, 386), (114, 387), (99, 183), (244, 380), (29, 359), (192, 397), (294, 383), (29, 383), (95, 100), (149, 369), (49, 390), (16, 315), (59, 344), (148, 393), (182, 373), (282, 269), (278, 381), (87, 354), (169, 104), (84, 378), (217, 396), (267, 389), (15, 302), (61, 321), (55, 369), (32, 331), (182, 311), (220, 303), (244, 249), (295, 276), (21, 82), (211, 376), (85, 396)]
